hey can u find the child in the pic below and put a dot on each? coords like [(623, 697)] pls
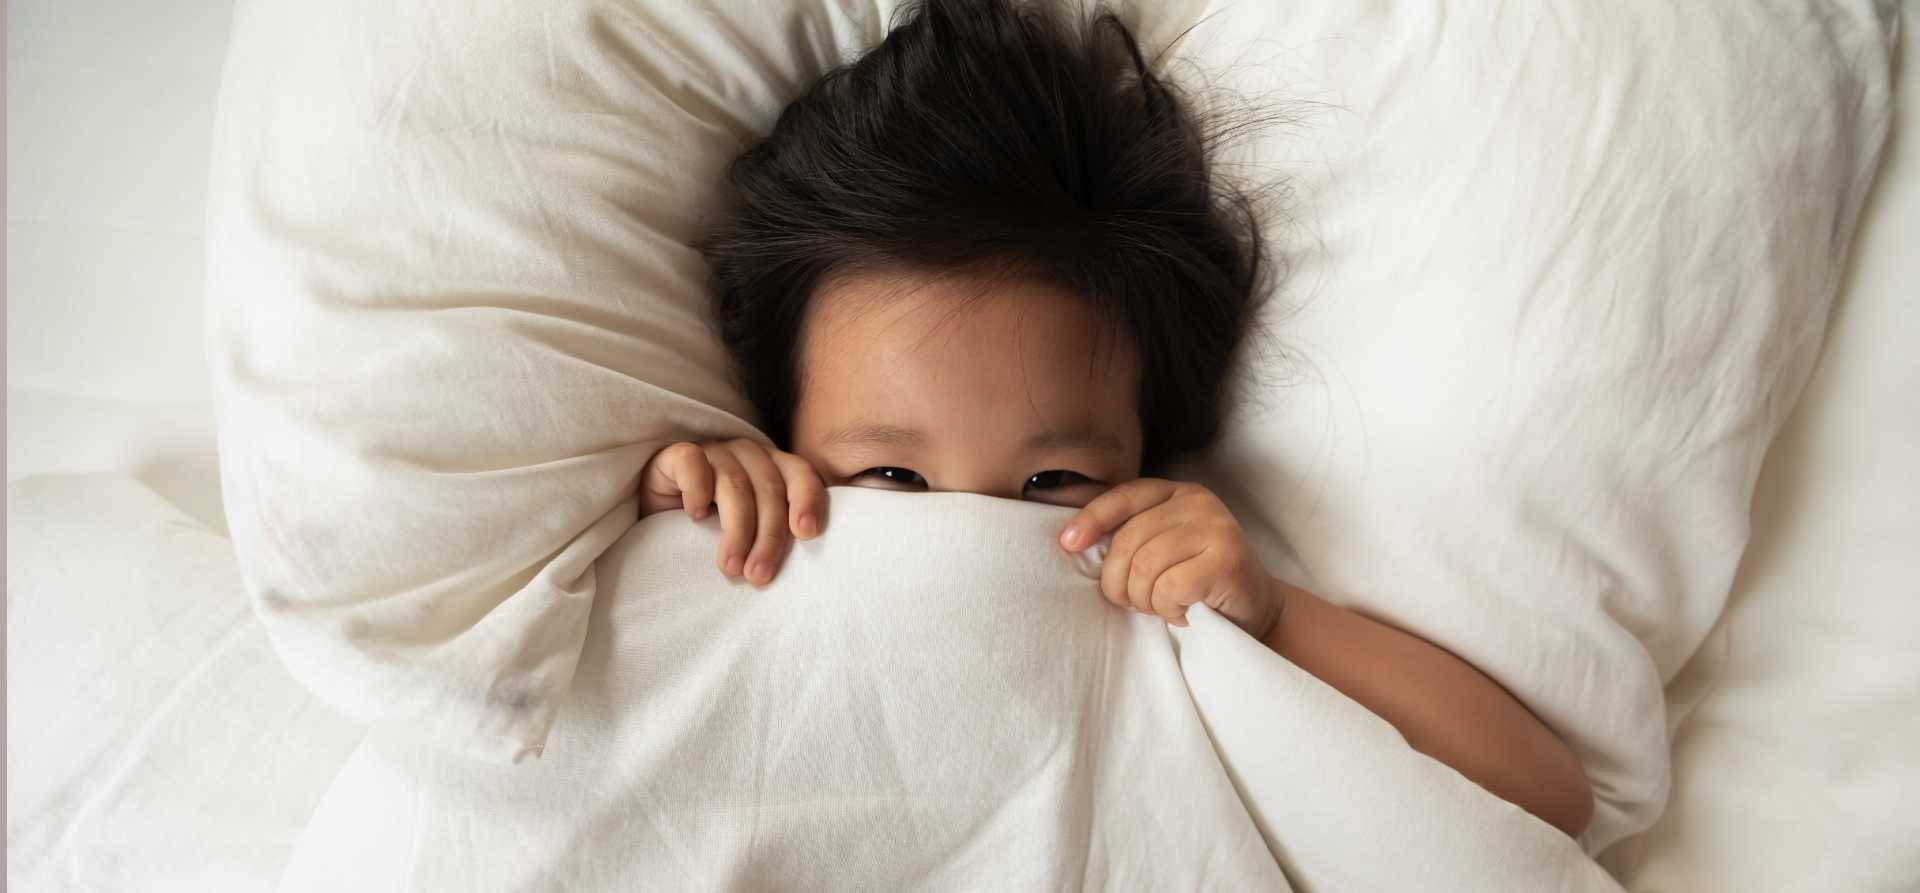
[(990, 256)]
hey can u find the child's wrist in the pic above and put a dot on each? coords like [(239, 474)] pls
[(1278, 594)]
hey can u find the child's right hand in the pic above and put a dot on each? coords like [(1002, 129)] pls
[(766, 498)]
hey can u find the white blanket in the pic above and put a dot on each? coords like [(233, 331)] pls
[(932, 694)]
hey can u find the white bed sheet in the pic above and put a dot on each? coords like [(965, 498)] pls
[(169, 447), (154, 740)]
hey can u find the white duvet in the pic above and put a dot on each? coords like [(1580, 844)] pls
[(930, 695)]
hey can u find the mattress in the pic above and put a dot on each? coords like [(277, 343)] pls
[(1794, 726)]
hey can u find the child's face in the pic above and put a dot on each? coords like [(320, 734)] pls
[(905, 386)]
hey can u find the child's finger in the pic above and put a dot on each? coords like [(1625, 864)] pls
[(1151, 561), (659, 478), (1180, 587), (1133, 534), (1111, 509), (693, 474), (733, 493), (772, 537), (806, 495)]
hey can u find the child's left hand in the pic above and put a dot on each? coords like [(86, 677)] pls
[(1177, 545)]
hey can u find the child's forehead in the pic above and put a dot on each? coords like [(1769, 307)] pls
[(870, 314), (965, 342), (965, 371)]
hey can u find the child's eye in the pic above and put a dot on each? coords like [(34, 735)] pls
[(890, 478), (1059, 486), (1056, 478)]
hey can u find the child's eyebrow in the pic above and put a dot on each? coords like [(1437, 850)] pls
[(867, 432), (1086, 439)]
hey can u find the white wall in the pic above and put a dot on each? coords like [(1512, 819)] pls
[(109, 122), (109, 119)]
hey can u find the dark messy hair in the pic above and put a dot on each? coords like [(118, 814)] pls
[(1009, 135)]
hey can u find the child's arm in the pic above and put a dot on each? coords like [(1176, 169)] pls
[(1177, 544), (1444, 707)]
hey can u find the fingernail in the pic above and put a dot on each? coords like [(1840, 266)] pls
[(1070, 537), (733, 565), (807, 524), (762, 571)]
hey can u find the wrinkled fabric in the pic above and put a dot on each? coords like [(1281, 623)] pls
[(1811, 679), (931, 695), (1559, 273), (154, 741)]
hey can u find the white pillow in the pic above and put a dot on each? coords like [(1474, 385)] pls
[(455, 309), (1561, 271)]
